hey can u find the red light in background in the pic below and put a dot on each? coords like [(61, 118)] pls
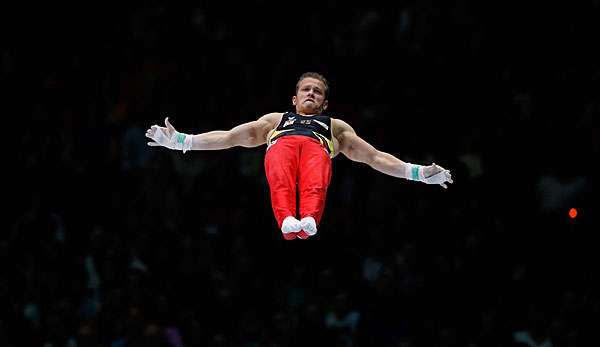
[(573, 213)]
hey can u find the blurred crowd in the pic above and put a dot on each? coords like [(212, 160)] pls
[(109, 242)]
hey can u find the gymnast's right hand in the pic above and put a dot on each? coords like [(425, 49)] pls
[(168, 137)]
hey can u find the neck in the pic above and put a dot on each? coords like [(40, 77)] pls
[(308, 113)]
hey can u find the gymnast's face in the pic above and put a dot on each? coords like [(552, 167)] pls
[(310, 97)]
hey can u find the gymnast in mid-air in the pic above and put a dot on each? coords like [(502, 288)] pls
[(300, 146)]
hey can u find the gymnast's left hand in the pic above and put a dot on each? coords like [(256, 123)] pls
[(435, 174)]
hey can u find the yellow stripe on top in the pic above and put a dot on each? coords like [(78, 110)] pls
[(275, 133), (327, 143)]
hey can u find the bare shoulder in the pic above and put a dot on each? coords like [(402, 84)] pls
[(339, 128), (272, 118), (269, 123), (340, 131)]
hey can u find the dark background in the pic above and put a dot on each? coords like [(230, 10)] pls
[(108, 242)]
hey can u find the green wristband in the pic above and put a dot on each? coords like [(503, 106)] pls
[(415, 173)]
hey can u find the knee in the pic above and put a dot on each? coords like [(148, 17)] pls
[(315, 190)]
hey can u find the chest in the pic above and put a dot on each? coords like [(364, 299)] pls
[(316, 123)]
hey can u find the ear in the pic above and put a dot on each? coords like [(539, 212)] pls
[(294, 100), (325, 104)]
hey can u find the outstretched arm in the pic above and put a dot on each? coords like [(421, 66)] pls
[(357, 149), (251, 134)]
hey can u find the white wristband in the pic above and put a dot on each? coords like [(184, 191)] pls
[(182, 141), (187, 143), (414, 172)]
